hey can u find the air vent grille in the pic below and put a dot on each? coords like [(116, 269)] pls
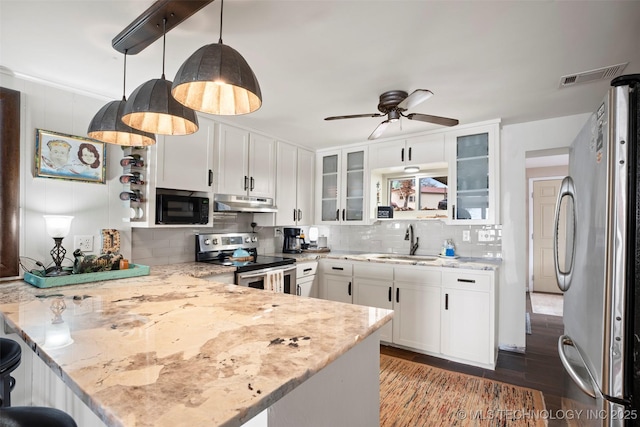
[(605, 73)]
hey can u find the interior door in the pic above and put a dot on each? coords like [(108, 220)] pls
[(545, 195)]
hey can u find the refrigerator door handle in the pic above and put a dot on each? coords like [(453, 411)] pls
[(567, 189), (585, 386)]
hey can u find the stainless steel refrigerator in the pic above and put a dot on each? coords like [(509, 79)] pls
[(597, 261)]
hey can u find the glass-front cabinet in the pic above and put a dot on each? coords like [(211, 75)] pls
[(341, 185), (474, 181)]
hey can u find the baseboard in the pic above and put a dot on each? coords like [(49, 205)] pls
[(512, 348)]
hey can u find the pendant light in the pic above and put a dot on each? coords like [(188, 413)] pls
[(216, 79), (151, 108), (107, 125)]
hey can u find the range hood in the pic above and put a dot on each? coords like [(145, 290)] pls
[(231, 203)]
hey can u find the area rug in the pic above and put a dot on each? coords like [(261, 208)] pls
[(413, 394), (550, 304)]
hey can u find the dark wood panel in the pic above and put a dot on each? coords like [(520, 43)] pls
[(9, 182)]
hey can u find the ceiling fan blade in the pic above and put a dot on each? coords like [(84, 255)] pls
[(354, 116), (418, 96), (379, 130), (444, 121)]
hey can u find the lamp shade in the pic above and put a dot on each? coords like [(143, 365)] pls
[(107, 126), (57, 225), (151, 108), (216, 79)]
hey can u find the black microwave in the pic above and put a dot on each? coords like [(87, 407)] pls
[(174, 209)]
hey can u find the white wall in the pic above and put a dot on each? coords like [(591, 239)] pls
[(516, 140), (94, 206)]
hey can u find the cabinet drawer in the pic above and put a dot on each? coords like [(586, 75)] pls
[(464, 280), (372, 270), (305, 269), (337, 268), (416, 274)]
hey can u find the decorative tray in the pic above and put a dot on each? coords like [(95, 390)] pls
[(76, 279)]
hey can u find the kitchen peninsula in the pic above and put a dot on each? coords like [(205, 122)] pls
[(171, 349)]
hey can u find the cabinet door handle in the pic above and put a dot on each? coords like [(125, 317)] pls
[(343, 214), (467, 280), (294, 215), (349, 289), (210, 177), (298, 291), (299, 215), (337, 268), (453, 211), (246, 182), (253, 184), (307, 269), (397, 294), (402, 155), (446, 301), (390, 294), (409, 153), (337, 214)]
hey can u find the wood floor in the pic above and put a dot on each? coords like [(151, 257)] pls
[(538, 368)]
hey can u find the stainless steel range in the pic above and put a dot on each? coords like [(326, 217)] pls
[(228, 249)]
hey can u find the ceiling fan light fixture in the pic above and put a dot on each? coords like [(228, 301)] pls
[(216, 79), (411, 169)]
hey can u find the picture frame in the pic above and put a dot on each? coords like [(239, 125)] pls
[(69, 157)]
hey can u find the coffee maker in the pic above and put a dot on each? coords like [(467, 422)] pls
[(291, 241)]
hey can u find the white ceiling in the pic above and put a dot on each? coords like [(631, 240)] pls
[(313, 59)]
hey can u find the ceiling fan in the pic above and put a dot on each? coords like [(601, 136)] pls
[(394, 103)]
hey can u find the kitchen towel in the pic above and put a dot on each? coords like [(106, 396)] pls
[(274, 281)]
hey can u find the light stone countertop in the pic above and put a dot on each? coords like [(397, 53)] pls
[(461, 262), (173, 350)]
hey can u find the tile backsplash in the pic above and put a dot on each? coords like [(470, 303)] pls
[(167, 246)]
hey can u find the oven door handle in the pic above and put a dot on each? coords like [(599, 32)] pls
[(264, 271)]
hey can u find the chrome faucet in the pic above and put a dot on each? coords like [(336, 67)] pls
[(408, 235)]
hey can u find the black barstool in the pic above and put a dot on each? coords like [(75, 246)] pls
[(10, 353), (31, 416)]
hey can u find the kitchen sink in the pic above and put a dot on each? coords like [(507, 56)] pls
[(414, 258)]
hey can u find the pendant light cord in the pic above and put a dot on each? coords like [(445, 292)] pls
[(124, 76), (164, 42), (221, 7)]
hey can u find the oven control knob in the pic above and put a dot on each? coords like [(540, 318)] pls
[(247, 239), (215, 242), (254, 239), (207, 242)]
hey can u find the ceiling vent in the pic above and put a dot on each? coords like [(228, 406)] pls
[(605, 73)]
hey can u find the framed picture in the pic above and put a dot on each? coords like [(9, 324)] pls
[(70, 157)]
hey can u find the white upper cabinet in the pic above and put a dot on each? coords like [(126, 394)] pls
[(474, 178), (341, 186), (418, 150), (186, 162), (245, 163), (294, 185)]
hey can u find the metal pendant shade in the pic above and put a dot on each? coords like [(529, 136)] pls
[(107, 126), (216, 79), (151, 108)]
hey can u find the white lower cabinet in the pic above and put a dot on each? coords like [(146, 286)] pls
[(417, 304), (468, 321), (337, 281), (440, 311)]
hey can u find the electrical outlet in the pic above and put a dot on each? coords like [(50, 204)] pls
[(466, 235), (277, 232), (485, 236), (84, 243)]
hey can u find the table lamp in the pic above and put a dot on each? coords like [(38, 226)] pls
[(58, 227)]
